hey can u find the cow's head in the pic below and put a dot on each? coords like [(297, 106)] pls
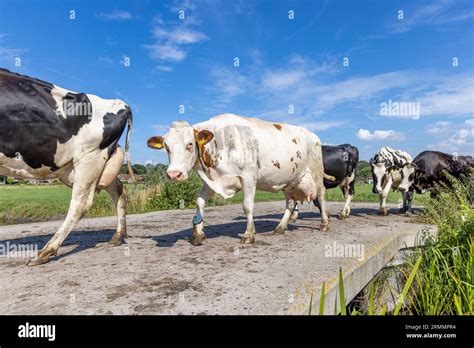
[(408, 173), (380, 170), (182, 143)]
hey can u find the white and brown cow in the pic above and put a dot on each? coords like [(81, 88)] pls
[(231, 152), (47, 132)]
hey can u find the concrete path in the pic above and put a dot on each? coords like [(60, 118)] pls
[(160, 272)]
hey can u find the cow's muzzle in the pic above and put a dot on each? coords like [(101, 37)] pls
[(175, 175)]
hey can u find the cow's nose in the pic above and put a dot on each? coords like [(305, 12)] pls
[(174, 174)]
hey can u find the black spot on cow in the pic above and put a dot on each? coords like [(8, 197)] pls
[(114, 124), (276, 164), (339, 161), (29, 123)]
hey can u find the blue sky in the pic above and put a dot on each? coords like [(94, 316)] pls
[(423, 56)]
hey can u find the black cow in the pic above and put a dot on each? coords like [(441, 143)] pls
[(429, 166), (339, 161), (47, 132)]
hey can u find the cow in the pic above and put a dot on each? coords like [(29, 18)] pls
[(48, 132), (428, 168), (340, 162), (387, 166), (231, 153)]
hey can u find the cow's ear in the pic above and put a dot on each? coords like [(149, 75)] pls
[(156, 142), (372, 161), (204, 136)]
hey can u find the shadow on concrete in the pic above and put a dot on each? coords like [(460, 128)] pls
[(83, 239)]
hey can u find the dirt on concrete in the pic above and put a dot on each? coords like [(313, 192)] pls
[(158, 271)]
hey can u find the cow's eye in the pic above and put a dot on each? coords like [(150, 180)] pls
[(190, 146)]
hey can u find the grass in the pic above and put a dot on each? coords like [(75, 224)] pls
[(445, 283), (27, 203), (438, 276)]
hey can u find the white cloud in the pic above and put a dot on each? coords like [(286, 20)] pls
[(454, 95), (321, 125), (282, 79), (299, 69), (117, 15), (461, 139), (179, 35), (164, 68), (166, 52), (365, 134), (182, 5), (469, 122), (228, 84), (439, 13), (106, 59), (9, 54), (438, 128), (172, 38)]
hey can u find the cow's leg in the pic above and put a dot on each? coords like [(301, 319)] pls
[(383, 200), (198, 223), (86, 176), (348, 191), (407, 198), (294, 214), (248, 188), (283, 225), (117, 192), (322, 207)]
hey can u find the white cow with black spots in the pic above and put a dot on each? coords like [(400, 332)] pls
[(387, 166), (48, 132)]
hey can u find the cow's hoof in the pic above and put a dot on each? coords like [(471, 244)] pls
[(324, 228), (248, 239), (37, 261), (279, 230), (198, 239), (115, 242), (408, 213), (43, 257), (383, 212), (342, 216)]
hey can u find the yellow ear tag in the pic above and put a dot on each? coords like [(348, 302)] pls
[(158, 146)]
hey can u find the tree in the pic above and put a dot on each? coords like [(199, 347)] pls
[(139, 169), (364, 169)]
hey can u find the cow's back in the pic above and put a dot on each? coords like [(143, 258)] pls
[(282, 153), (37, 118)]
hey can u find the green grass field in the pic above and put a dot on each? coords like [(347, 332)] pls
[(26, 203)]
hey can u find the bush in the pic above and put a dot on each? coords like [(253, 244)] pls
[(445, 281), (156, 193)]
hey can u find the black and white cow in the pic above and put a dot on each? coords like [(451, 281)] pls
[(387, 166), (340, 162), (48, 132), (428, 168)]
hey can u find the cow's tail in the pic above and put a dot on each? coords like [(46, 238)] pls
[(329, 177), (127, 146)]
